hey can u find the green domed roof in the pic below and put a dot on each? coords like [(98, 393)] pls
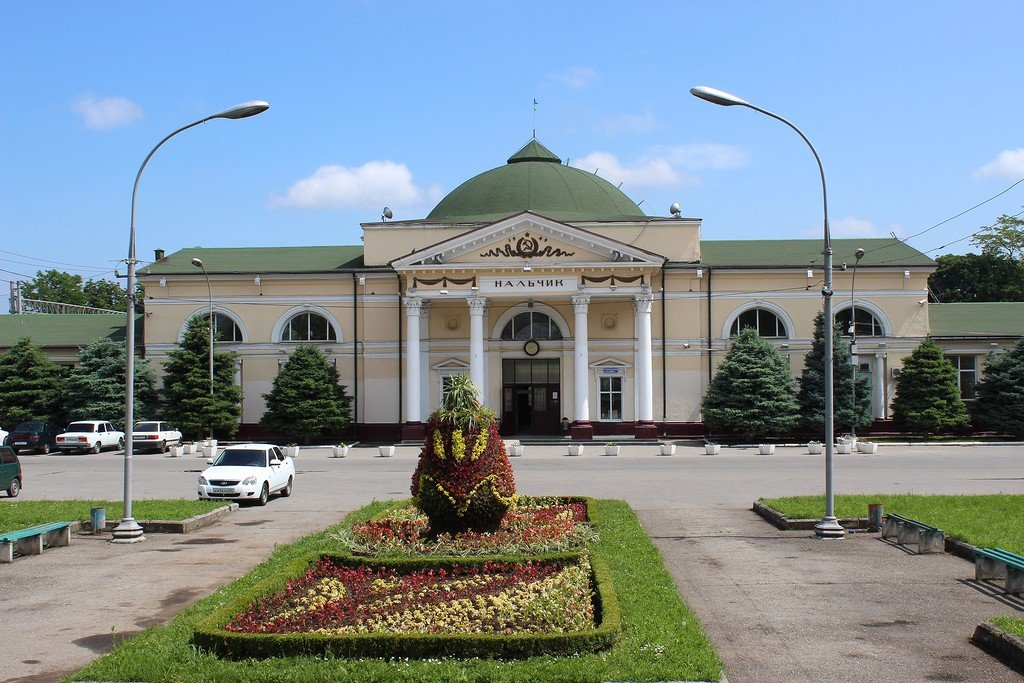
[(535, 180)]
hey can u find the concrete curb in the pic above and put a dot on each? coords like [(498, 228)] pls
[(163, 526), (780, 521), (1006, 647)]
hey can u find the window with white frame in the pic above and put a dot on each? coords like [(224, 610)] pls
[(531, 325), (764, 321), (867, 323), (609, 388), (225, 330), (967, 375), (308, 327)]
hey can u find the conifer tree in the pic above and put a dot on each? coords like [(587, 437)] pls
[(95, 389), (31, 386), (186, 401), (752, 393), (1000, 402), (927, 394), (811, 397), (306, 400)]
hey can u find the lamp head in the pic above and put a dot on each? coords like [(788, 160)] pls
[(859, 254), (197, 262), (716, 96), (243, 110)]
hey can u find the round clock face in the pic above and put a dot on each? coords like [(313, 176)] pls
[(531, 348)]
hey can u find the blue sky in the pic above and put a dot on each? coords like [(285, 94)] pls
[(914, 107)]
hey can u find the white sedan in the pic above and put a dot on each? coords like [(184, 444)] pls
[(249, 471), (155, 436)]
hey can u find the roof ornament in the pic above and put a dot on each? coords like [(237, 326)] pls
[(534, 118)]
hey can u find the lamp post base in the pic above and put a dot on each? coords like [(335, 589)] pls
[(828, 527), (128, 531)]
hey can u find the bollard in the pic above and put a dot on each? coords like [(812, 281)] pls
[(99, 519), (875, 513)]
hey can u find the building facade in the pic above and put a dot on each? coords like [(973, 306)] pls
[(562, 300)]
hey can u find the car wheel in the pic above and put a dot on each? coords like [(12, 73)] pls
[(287, 490), (264, 495), (14, 489), (120, 443), (96, 448), (164, 447), (45, 450)]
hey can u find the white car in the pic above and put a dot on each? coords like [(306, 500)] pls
[(89, 436), (154, 436), (249, 471), (3, 437)]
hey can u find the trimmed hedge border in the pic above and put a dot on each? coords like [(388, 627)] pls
[(210, 633)]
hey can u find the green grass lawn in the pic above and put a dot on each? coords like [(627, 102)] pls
[(18, 514), (662, 639), (988, 521), (1011, 624)]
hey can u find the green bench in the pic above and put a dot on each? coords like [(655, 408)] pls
[(996, 563), (32, 540), (906, 531)]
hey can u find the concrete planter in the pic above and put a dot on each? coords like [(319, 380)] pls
[(667, 449), (815, 448), (611, 449), (291, 451), (712, 449), (516, 450), (339, 451), (844, 448), (188, 448), (177, 451), (386, 451), (209, 452), (867, 447), (766, 448), (575, 449)]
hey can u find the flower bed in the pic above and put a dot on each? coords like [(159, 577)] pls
[(535, 526), (494, 597), (421, 607)]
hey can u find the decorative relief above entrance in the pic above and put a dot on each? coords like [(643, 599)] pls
[(526, 246)]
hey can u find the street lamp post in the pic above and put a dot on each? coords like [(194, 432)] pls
[(129, 531), (857, 255), (828, 527), (198, 263)]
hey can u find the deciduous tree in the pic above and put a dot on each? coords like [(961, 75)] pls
[(1004, 238), (977, 277)]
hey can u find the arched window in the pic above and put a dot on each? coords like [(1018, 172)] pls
[(308, 327), (224, 329), (867, 324), (531, 325), (764, 321)]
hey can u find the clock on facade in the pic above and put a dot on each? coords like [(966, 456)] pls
[(531, 348)]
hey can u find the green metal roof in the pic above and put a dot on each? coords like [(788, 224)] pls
[(534, 179), (977, 319), (802, 253), (259, 260), (65, 329)]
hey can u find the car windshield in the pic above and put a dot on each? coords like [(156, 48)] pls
[(242, 458), (147, 427), (29, 427), (81, 427)]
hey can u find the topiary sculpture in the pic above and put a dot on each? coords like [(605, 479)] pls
[(463, 480)]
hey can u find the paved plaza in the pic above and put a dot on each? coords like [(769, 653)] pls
[(777, 605)]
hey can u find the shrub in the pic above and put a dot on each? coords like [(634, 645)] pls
[(463, 480)]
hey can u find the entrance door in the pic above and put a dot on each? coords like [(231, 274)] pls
[(530, 396)]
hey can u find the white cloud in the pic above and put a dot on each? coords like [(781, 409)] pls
[(370, 186), (1008, 164), (701, 156), (645, 172), (628, 123), (105, 113), (576, 77), (850, 226)]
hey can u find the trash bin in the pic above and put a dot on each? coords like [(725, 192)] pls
[(875, 512), (99, 519)]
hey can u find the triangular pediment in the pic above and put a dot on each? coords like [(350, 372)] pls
[(527, 239)]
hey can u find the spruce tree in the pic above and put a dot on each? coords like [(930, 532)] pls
[(811, 396), (927, 394), (95, 388), (187, 403), (1000, 402), (752, 393), (31, 386), (306, 400)]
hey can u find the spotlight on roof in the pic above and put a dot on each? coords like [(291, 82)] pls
[(675, 209), (386, 215)]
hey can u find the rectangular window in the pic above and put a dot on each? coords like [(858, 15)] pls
[(967, 375), (611, 398)]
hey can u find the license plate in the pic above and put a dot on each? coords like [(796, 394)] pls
[(217, 490), (21, 443)]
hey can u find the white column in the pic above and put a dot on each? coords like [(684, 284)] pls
[(477, 304), (413, 307), (581, 367), (878, 386), (644, 365), (424, 361)]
